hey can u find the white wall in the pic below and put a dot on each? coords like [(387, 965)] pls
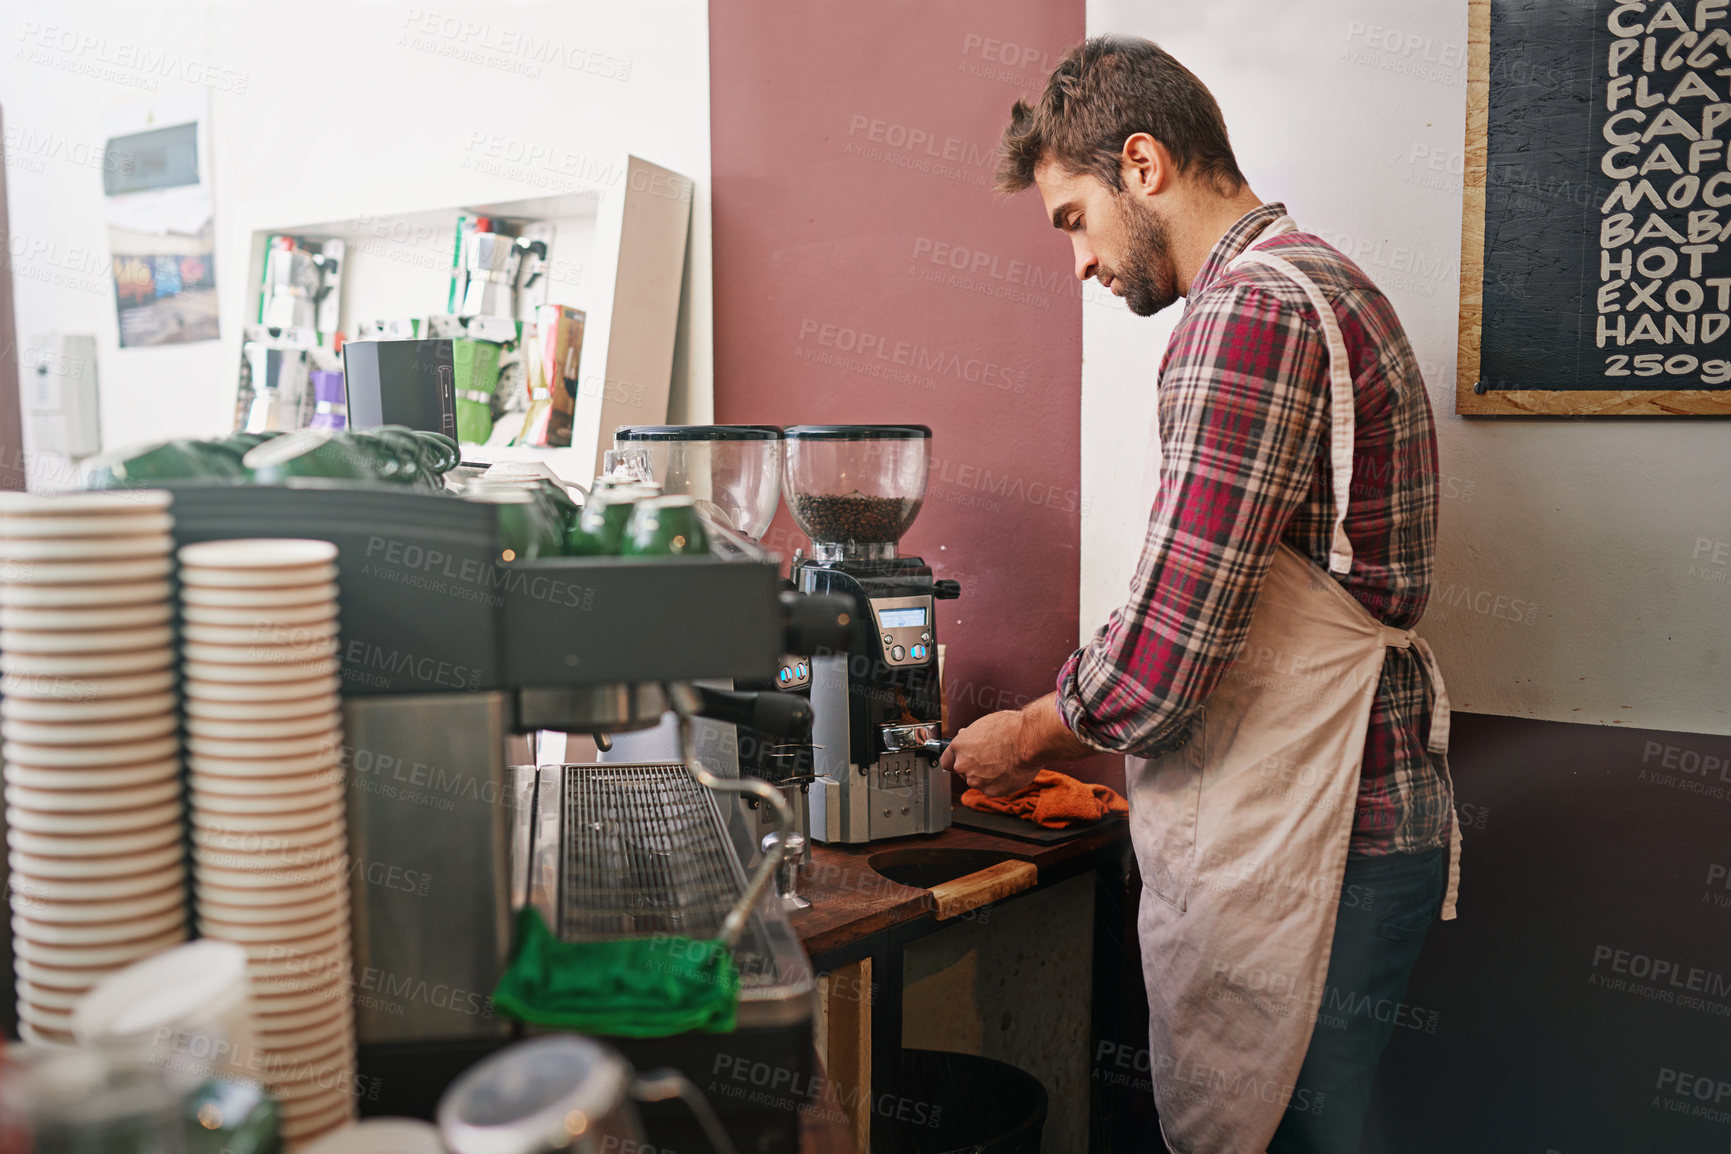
[(333, 111), (1597, 537)]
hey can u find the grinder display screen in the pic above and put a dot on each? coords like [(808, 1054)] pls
[(901, 618)]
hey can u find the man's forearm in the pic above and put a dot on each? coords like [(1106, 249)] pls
[(1045, 738)]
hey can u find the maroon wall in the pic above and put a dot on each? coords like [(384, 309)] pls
[(864, 272)]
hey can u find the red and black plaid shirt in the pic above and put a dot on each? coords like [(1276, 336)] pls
[(1245, 465)]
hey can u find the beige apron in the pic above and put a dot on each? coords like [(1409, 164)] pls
[(1242, 833)]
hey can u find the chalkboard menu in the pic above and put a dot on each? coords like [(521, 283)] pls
[(1596, 248)]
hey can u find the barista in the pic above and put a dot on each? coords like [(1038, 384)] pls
[(1287, 729)]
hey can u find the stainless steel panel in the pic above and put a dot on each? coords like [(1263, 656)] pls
[(430, 800)]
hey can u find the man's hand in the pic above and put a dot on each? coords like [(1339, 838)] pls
[(988, 754), (1001, 753)]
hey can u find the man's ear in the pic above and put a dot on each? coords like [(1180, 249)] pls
[(1145, 164)]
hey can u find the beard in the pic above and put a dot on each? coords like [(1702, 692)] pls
[(1146, 271)]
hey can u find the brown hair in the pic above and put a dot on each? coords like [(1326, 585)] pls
[(1105, 90)]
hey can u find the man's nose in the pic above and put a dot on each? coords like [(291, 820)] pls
[(1086, 263)]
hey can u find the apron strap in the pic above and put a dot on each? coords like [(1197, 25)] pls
[(1439, 714), (1439, 744), (1341, 423)]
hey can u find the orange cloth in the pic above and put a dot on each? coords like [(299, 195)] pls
[(1054, 800)]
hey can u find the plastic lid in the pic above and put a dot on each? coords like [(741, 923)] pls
[(857, 432), (697, 433), (197, 981), (508, 1103)]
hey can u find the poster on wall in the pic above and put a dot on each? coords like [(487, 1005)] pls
[(1596, 230), (161, 226)]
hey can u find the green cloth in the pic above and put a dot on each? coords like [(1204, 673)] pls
[(631, 988)]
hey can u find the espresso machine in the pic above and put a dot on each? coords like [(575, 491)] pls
[(452, 660), (877, 705)]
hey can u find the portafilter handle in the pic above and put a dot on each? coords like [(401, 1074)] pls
[(783, 715)]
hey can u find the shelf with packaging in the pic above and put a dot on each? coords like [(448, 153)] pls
[(614, 251)]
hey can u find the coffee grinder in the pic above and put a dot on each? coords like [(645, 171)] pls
[(855, 490)]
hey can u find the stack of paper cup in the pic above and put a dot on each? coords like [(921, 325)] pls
[(270, 858), (88, 718)]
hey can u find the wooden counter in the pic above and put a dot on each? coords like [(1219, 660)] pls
[(851, 901)]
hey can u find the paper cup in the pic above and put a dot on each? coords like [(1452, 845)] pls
[(102, 641), (92, 756), (266, 553), (73, 868), (287, 578), (92, 847), (49, 998), (284, 798), (310, 764), (317, 928), (316, 592), (261, 617), (279, 673), (88, 572), (201, 689), (262, 633), (325, 741), (125, 502), (68, 549), (98, 598), (335, 1027), (266, 847), (43, 1018), (275, 1016), (104, 822), (216, 905), (85, 778), (66, 980), (95, 956), (28, 619), (295, 709), (101, 933), (265, 899), (88, 525), (59, 912), (92, 801), (86, 665), (64, 690), (28, 888), (85, 712), (251, 874), (313, 725), (284, 821), (47, 1039), (63, 733), (217, 791)]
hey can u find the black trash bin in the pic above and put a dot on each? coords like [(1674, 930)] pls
[(959, 1104)]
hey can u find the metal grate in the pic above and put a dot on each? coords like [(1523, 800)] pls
[(646, 852)]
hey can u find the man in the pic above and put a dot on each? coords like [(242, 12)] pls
[(1291, 808)]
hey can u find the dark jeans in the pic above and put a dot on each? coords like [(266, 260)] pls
[(1387, 905)]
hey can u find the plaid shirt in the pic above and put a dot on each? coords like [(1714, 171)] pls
[(1243, 411)]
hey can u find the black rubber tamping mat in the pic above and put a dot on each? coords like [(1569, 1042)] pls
[(1007, 826)]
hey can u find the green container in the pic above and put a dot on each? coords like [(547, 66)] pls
[(169, 461), (527, 527), (477, 378), (313, 453), (600, 527), (665, 527)]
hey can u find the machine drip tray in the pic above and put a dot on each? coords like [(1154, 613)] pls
[(921, 869)]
